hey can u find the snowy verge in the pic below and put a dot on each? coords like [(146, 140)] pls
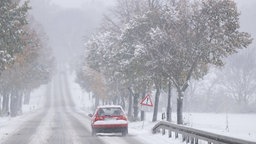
[(9, 126)]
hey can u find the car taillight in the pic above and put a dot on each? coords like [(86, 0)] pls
[(123, 117), (98, 118)]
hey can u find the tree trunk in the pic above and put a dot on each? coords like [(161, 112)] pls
[(135, 107), (156, 102), (14, 104), (123, 102), (130, 105), (97, 101), (180, 107), (104, 102), (5, 104), (26, 97), (115, 100), (169, 108), (19, 107), (142, 113)]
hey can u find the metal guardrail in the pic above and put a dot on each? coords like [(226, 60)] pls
[(193, 136)]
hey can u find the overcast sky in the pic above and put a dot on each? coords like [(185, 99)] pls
[(79, 3), (68, 3), (246, 7), (248, 15)]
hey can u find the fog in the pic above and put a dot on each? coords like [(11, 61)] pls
[(69, 23)]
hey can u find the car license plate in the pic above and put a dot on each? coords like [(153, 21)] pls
[(109, 119)]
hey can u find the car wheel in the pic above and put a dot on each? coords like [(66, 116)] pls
[(125, 132)]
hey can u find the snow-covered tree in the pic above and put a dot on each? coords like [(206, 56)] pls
[(110, 55), (190, 36), (206, 34), (174, 41), (12, 21), (31, 68)]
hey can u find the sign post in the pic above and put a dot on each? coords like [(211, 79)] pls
[(146, 102)]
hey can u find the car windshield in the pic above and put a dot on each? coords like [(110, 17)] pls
[(111, 111), (127, 71)]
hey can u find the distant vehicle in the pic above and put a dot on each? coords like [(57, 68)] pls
[(109, 119)]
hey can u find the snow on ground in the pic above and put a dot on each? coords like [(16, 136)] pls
[(9, 125), (237, 125), (142, 131)]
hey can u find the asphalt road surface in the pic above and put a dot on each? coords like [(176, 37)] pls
[(59, 122)]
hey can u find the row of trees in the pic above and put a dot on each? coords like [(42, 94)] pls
[(151, 45), (25, 59)]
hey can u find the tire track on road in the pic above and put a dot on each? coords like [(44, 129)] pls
[(83, 134)]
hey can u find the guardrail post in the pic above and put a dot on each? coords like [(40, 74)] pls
[(176, 135), (187, 139), (196, 141), (163, 131), (169, 133), (183, 138), (192, 140)]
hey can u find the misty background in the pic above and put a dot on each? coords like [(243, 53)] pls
[(69, 24)]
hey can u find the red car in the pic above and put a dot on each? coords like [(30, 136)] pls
[(109, 119)]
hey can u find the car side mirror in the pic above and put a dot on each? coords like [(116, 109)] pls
[(90, 115)]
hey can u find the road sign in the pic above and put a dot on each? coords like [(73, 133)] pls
[(146, 101)]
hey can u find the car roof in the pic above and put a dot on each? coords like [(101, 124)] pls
[(109, 106)]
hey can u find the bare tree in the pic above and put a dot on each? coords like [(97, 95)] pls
[(239, 78)]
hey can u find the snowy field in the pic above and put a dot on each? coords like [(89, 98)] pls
[(239, 125)]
